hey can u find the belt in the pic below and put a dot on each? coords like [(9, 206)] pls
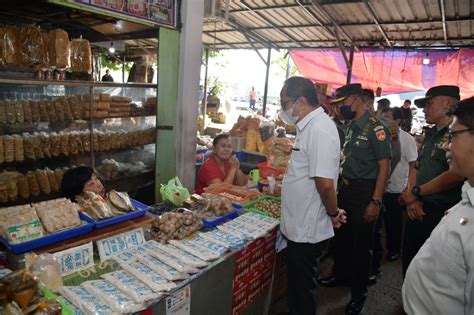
[(347, 181)]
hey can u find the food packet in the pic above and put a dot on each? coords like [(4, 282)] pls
[(223, 239), (86, 301), (112, 296), (148, 276), (213, 247), (196, 250), (184, 256), (172, 261), (131, 286), (163, 269)]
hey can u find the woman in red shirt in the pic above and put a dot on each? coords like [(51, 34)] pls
[(221, 167)]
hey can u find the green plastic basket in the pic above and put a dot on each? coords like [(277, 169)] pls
[(65, 309), (250, 205)]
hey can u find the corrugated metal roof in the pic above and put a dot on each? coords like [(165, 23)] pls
[(365, 23)]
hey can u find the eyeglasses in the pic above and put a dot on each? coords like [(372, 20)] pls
[(451, 134), (283, 104)]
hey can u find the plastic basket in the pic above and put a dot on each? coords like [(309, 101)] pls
[(141, 211), (50, 238), (250, 205), (219, 220), (266, 170)]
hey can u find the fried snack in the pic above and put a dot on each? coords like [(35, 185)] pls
[(81, 56), (76, 106), (75, 143), (58, 173), (33, 184), (37, 146), (64, 144), (53, 182), (58, 106), (29, 146), (23, 186), (68, 116), (19, 150), (43, 181), (32, 45), (3, 113), (45, 145), (3, 193), (9, 148), (59, 48), (53, 114), (10, 180), (43, 111), (35, 111), (2, 151), (10, 111), (20, 115), (86, 140), (55, 144), (27, 111)]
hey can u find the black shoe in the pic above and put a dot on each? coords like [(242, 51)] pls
[(354, 307), (374, 277), (328, 282), (393, 256)]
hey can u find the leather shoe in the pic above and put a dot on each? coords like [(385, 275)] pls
[(331, 281), (354, 307), (393, 256), (374, 277)]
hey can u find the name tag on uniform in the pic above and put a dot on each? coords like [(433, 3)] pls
[(361, 137)]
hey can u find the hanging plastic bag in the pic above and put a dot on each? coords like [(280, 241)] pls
[(174, 192)]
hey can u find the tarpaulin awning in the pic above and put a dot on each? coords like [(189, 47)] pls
[(394, 70)]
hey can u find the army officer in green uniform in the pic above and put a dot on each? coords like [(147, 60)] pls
[(365, 171), (434, 189)]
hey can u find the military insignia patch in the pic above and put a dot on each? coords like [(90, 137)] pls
[(378, 128), (380, 134)]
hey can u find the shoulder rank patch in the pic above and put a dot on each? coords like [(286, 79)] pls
[(378, 128), (380, 134)]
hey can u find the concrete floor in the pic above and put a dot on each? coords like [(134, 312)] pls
[(384, 297)]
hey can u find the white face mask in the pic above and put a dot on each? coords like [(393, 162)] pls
[(287, 116)]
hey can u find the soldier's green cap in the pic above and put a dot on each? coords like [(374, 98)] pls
[(347, 90), (440, 90)]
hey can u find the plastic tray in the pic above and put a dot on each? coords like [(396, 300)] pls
[(250, 205), (219, 220), (141, 211), (50, 238), (265, 170)]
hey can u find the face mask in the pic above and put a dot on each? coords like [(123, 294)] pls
[(347, 113), (287, 116)]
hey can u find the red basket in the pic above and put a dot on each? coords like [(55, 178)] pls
[(266, 170)]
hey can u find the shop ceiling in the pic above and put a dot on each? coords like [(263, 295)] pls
[(138, 40), (300, 24)]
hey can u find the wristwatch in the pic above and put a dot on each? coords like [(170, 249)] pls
[(377, 202), (333, 215), (416, 191)]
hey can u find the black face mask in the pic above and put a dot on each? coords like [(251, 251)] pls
[(346, 112)]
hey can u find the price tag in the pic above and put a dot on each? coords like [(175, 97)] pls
[(75, 259), (114, 245), (179, 303)]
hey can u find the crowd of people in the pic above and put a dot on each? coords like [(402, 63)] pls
[(354, 169)]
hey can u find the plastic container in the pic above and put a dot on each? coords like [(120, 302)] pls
[(250, 205), (219, 220), (50, 238), (267, 170), (201, 156), (141, 211), (236, 195)]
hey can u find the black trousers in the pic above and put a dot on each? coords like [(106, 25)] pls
[(354, 240), (416, 232), (303, 271), (393, 222), (377, 248)]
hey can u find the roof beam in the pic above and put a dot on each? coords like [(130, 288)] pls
[(221, 40), (374, 17), (443, 19), (391, 23), (327, 28), (244, 30), (269, 22), (256, 49), (333, 20), (270, 7)]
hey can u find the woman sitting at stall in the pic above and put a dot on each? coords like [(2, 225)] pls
[(221, 167), (78, 180)]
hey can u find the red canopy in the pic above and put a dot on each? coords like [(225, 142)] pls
[(393, 70)]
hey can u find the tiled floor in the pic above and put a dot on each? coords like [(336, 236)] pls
[(384, 297)]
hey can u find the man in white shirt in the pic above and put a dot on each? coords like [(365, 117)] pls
[(309, 202), (396, 184), (440, 279)]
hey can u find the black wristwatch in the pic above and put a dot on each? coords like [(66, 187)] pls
[(333, 215), (377, 202), (416, 191)]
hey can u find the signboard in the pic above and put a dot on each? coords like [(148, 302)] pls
[(161, 12), (179, 303)]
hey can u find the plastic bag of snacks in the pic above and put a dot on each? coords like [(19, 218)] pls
[(184, 256), (196, 250), (81, 56), (113, 296), (162, 268), (131, 286)]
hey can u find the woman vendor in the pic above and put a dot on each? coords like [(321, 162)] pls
[(221, 167), (78, 180)]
